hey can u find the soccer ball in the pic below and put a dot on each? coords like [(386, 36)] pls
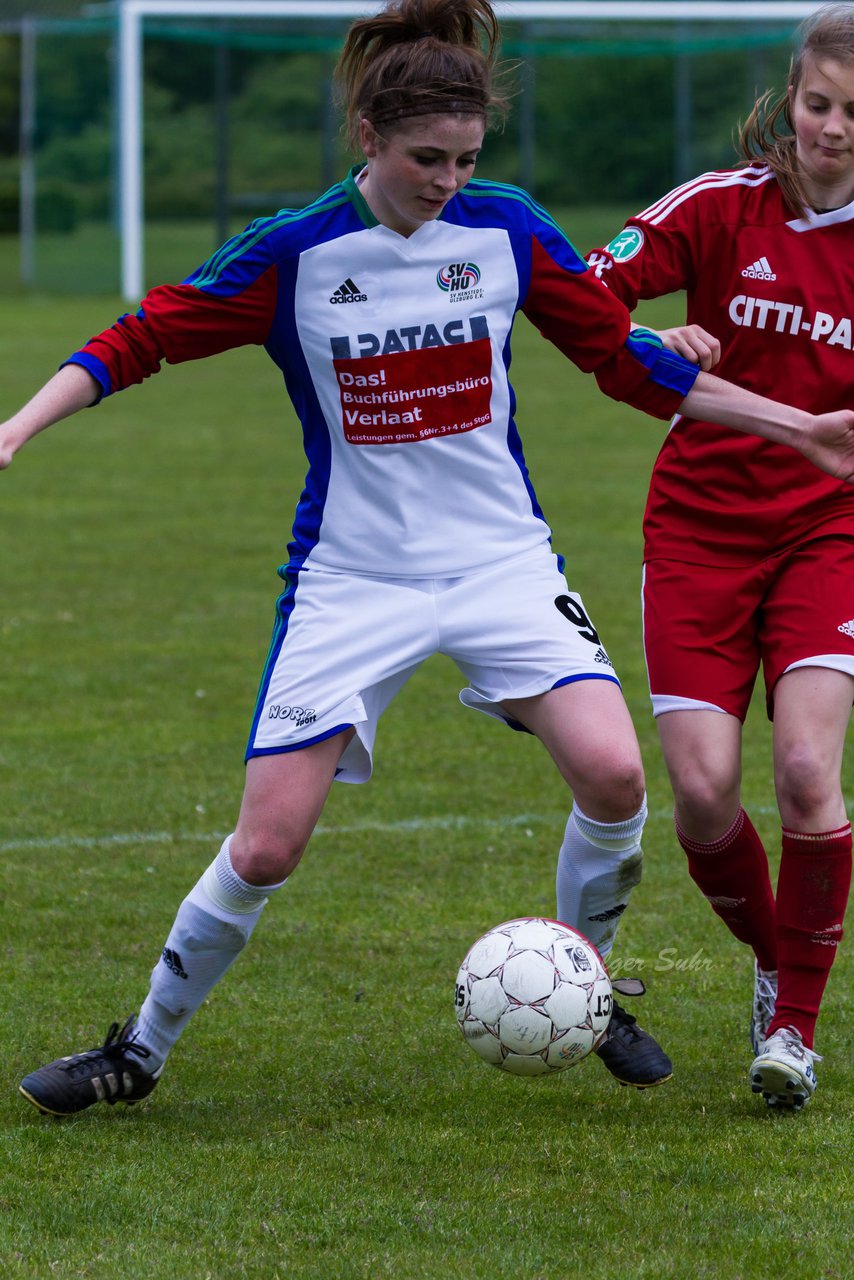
[(532, 997)]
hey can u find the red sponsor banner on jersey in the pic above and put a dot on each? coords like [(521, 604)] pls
[(416, 395)]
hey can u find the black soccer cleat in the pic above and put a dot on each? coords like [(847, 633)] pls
[(110, 1074), (631, 1054)]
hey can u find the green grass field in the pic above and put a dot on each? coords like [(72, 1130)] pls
[(322, 1116)]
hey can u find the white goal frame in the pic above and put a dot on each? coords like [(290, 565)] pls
[(133, 12)]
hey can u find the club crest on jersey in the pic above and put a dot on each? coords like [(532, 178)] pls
[(627, 244), (460, 280)]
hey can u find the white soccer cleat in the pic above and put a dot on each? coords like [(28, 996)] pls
[(764, 1002), (783, 1071)]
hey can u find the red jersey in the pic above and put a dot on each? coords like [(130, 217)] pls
[(777, 292)]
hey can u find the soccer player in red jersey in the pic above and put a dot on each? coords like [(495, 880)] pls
[(749, 551)]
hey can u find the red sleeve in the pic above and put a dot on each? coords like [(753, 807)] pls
[(177, 323), (654, 253), (591, 327)]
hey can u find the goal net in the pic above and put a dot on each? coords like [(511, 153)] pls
[(153, 129)]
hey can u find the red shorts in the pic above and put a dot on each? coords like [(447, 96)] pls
[(707, 629)]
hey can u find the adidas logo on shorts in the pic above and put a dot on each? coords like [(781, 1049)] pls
[(847, 628)]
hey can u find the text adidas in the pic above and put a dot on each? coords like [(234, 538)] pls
[(174, 962), (759, 270), (348, 292)]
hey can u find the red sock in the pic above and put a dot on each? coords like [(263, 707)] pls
[(732, 873), (812, 893)]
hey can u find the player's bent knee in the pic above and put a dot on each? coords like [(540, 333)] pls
[(613, 797), (266, 858), (704, 793), (805, 784)]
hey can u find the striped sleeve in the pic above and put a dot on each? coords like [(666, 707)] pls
[(226, 303), (574, 310), (660, 250)]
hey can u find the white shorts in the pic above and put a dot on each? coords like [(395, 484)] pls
[(344, 645)]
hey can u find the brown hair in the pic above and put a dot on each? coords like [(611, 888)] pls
[(416, 57), (768, 132)]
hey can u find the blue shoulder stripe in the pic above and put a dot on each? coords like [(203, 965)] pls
[(209, 272), (481, 187)]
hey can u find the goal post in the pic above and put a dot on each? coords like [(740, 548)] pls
[(132, 15)]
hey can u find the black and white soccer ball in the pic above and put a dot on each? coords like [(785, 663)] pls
[(533, 997)]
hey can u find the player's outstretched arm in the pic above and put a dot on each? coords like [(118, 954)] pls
[(827, 439), (66, 392)]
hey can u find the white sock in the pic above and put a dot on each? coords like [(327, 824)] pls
[(598, 866), (213, 925)]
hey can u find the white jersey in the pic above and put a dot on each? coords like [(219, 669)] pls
[(395, 351)]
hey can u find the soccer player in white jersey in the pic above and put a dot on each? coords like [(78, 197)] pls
[(749, 551), (388, 305)]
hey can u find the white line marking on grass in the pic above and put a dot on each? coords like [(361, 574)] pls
[(443, 822), (446, 822)]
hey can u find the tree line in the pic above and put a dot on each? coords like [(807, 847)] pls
[(619, 127)]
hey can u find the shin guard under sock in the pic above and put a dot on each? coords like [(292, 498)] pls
[(598, 866), (812, 893), (732, 873), (213, 925)]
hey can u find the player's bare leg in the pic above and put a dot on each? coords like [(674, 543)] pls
[(586, 728), (283, 798), (702, 753), (812, 708)]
